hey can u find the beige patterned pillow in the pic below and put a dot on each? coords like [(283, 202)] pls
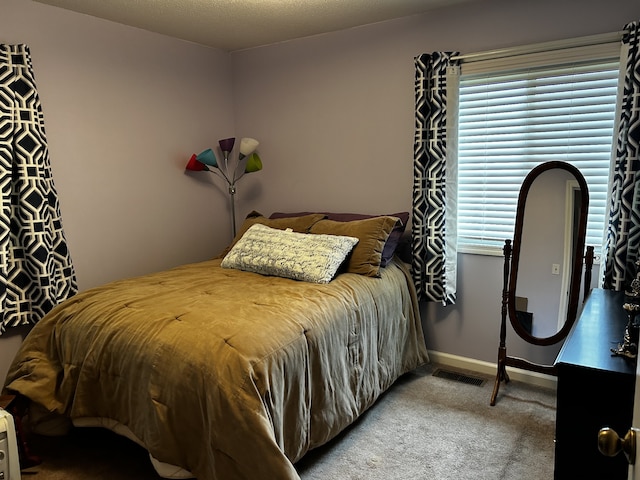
[(289, 254)]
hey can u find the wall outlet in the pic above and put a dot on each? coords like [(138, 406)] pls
[(555, 269)]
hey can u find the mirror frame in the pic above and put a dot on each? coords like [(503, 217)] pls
[(577, 261)]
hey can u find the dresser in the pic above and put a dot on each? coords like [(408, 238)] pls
[(595, 390)]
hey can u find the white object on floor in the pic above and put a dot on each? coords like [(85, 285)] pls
[(9, 462)]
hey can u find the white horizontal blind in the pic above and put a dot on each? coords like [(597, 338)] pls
[(514, 119)]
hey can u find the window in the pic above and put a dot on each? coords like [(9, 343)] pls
[(517, 112)]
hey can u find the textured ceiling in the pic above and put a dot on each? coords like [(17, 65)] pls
[(238, 24)]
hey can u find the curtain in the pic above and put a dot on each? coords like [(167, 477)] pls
[(623, 230), (434, 242), (36, 271)]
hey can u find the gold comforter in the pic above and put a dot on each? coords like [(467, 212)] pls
[(227, 374)]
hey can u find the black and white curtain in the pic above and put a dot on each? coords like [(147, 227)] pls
[(623, 232), (36, 271), (434, 233)]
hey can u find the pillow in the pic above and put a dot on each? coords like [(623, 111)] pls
[(373, 234), (289, 254), (394, 237), (298, 223)]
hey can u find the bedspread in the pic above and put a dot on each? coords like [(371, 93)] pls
[(225, 373)]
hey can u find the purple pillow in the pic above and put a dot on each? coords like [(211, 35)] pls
[(390, 245)]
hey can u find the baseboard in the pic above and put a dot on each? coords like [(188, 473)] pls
[(479, 366)]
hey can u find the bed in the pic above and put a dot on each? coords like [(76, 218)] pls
[(223, 371)]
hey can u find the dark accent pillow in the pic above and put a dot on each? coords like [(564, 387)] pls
[(394, 237)]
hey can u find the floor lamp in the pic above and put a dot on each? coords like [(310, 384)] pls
[(230, 169)]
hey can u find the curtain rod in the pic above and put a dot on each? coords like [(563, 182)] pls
[(542, 47)]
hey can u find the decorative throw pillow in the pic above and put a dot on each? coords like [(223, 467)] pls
[(300, 223), (289, 254), (372, 232), (390, 245), (392, 242)]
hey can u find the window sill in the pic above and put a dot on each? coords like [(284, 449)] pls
[(481, 250)]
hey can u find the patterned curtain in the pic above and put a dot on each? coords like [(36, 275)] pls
[(623, 231), (434, 237), (36, 271)]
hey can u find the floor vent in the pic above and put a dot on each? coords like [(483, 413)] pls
[(459, 377)]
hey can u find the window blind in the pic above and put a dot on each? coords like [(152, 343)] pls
[(517, 117)]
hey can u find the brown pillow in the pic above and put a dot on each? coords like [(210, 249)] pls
[(372, 233), (394, 237), (300, 224)]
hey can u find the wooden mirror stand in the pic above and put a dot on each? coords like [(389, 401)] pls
[(512, 253)]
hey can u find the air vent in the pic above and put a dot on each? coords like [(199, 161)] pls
[(459, 377)]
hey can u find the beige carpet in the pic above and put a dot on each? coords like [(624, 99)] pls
[(425, 427)]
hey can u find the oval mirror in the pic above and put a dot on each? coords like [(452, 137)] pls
[(548, 251)]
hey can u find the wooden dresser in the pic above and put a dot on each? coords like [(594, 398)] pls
[(595, 390)]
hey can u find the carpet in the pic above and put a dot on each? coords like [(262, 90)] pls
[(427, 427), (424, 427)]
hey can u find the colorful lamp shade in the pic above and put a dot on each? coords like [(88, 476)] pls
[(195, 165), (226, 145), (248, 146), (253, 163), (208, 158), (247, 161)]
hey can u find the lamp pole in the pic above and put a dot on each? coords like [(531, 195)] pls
[(232, 194)]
